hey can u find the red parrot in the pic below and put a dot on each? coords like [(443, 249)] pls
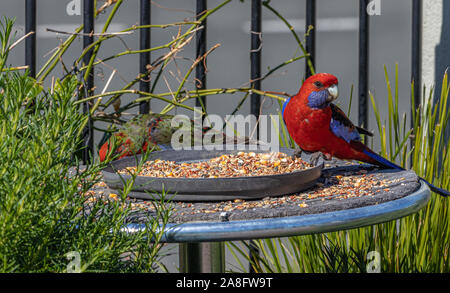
[(317, 125)]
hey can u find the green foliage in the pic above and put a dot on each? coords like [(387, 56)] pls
[(45, 214)]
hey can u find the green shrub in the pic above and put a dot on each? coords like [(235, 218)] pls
[(45, 217)]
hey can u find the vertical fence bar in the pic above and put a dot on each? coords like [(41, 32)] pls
[(363, 87), (255, 56), (311, 37), (416, 60), (144, 58), (255, 75), (208, 257), (200, 37), (30, 42), (416, 54), (88, 38)]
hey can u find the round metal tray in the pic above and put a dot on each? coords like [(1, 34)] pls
[(210, 189), (293, 225)]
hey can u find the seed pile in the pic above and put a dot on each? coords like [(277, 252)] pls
[(241, 164), (335, 189)]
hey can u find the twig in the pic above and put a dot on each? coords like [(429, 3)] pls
[(106, 5), (103, 91), (51, 63), (154, 65), (260, 42), (168, 87), (97, 47), (137, 92), (209, 92), (89, 34), (118, 73), (282, 65), (291, 28), (20, 40), (24, 67), (131, 52), (202, 18), (171, 9), (196, 62)]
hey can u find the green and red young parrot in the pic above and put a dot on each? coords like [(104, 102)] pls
[(317, 125), (135, 136), (154, 131)]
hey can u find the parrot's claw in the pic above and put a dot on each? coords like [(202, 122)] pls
[(297, 153), (314, 159)]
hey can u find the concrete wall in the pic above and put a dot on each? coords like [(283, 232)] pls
[(435, 42), (435, 45), (431, 35)]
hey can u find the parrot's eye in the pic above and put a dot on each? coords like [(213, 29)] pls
[(318, 84)]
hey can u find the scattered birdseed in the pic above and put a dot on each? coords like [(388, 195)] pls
[(113, 196), (238, 165), (338, 186)]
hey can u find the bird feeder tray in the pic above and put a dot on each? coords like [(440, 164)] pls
[(210, 189)]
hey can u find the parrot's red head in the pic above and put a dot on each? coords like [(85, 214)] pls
[(319, 90), (319, 81)]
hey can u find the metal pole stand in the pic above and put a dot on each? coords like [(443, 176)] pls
[(202, 257)]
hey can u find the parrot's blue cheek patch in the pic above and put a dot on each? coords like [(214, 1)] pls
[(342, 131), (318, 100)]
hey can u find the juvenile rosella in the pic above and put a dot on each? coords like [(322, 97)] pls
[(138, 134), (155, 131), (317, 125)]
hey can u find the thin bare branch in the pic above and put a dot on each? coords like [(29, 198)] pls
[(89, 34), (20, 40)]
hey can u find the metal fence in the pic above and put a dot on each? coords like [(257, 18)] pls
[(255, 51)]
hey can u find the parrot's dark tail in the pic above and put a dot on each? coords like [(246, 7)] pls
[(382, 162)]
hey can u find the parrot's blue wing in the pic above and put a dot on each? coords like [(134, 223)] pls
[(341, 126)]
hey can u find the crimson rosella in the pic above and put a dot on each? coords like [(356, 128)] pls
[(317, 125)]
